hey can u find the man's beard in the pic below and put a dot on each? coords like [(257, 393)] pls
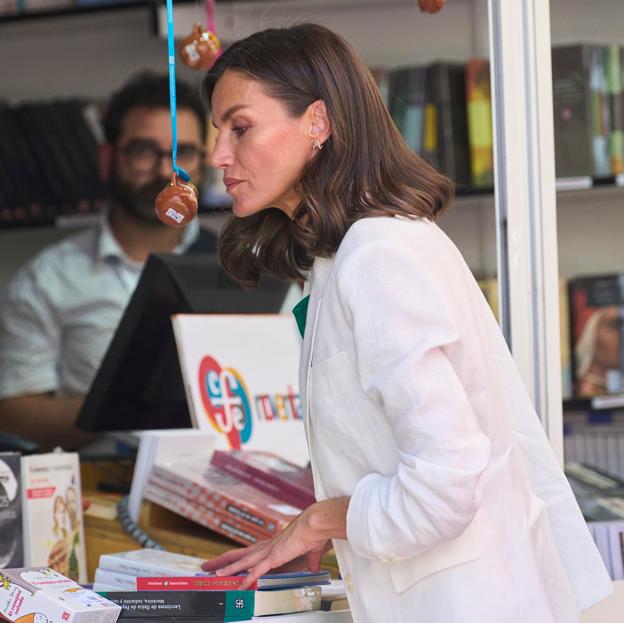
[(138, 202)]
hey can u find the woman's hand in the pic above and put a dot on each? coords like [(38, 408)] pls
[(307, 536)]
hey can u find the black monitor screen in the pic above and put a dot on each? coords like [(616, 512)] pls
[(139, 383)]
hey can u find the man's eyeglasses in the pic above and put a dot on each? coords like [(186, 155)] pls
[(144, 156)]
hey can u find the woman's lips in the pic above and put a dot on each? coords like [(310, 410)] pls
[(231, 183)]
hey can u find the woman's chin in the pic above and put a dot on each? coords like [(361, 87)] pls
[(241, 209)]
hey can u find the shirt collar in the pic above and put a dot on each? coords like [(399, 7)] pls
[(109, 247)]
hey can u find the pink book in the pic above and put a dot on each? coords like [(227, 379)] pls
[(214, 489), (228, 527), (269, 473)]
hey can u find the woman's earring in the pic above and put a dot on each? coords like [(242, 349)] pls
[(316, 144)]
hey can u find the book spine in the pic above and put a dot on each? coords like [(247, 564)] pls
[(572, 111), (600, 110), (616, 138), (194, 583), (262, 481), (235, 605), (202, 516), (479, 111), (219, 501)]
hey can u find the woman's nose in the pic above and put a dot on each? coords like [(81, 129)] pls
[(221, 156)]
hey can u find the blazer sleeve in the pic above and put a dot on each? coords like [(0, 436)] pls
[(404, 328)]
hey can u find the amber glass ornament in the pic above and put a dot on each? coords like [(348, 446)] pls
[(176, 204), (200, 49), (430, 6)]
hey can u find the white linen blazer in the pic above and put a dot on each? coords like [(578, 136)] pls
[(459, 511)]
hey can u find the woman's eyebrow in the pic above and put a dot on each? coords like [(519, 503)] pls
[(229, 112)]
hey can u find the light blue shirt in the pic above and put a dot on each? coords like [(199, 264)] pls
[(62, 309)]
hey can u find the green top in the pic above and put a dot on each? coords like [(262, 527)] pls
[(300, 311)]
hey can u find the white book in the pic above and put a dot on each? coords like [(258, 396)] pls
[(52, 514), (105, 588), (121, 581), (150, 563), (159, 446)]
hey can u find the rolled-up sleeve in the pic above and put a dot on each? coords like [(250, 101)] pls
[(405, 329), (29, 339)]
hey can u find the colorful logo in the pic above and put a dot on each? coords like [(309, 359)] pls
[(226, 401)]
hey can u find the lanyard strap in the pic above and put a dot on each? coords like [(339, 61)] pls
[(172, 95)]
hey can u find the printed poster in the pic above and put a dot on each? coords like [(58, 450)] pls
[(240, 374)]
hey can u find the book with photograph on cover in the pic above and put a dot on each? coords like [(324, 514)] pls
[(11, 547), (52, 514), (596, 320)]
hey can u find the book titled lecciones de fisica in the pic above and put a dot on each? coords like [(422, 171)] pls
[(232, 605), (217, 605)]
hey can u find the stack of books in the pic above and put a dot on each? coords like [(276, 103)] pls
[(156, 584), (245, 495)]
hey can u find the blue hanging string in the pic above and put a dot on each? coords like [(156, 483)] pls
[(172, 95)]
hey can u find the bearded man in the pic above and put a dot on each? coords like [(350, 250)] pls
[(63, 306)]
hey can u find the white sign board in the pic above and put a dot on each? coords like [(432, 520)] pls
[(240, 374)]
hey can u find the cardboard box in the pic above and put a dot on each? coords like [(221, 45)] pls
[(41, 595)]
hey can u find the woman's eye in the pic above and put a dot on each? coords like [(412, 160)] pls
[(239, 130)]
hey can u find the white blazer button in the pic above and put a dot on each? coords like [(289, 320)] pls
[(350, 586)]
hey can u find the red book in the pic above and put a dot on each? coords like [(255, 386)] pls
[(229, 527), (269, 473), (231, 498), (194, 583)]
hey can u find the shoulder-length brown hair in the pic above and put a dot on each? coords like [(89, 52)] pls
[(364, 169)]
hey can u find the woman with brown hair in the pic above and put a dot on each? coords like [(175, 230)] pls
[(435, 482)]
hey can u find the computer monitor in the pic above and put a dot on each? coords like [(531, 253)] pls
[(139, 383)]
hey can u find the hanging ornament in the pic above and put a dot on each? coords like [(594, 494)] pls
[(430, 6), (176, 204), (200, 49)]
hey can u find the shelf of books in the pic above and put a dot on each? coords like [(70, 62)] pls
[(49, 171)]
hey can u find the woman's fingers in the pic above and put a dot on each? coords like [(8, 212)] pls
[(255, 573), (226, 558), (244, 563), (314, 561)]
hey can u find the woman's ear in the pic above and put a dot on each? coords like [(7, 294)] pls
[(320, 128)]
